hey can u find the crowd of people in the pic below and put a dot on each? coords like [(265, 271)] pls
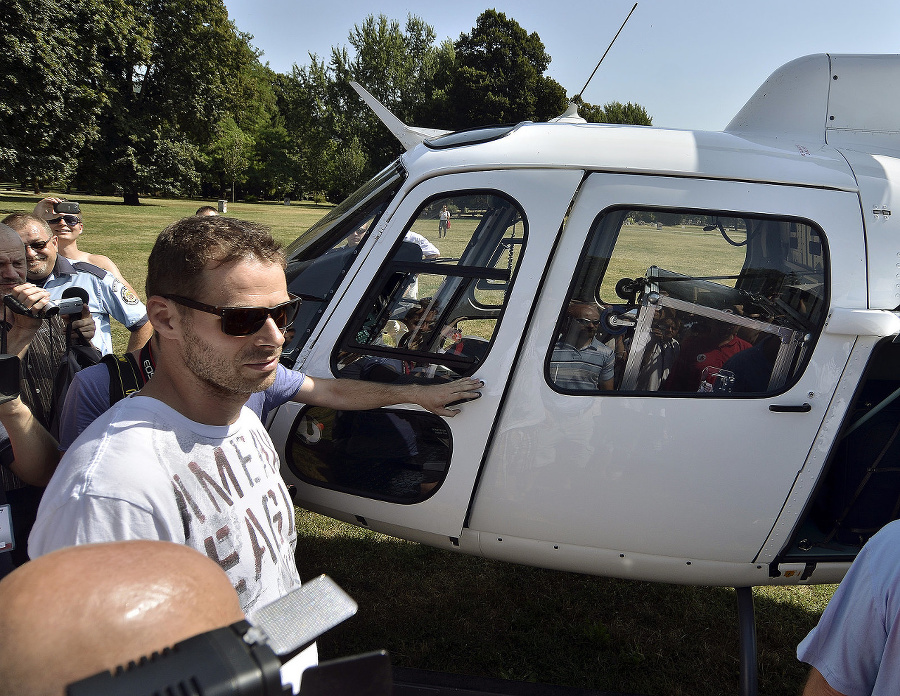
[(182, 460)]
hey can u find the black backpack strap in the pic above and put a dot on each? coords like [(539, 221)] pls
[(124, 376)]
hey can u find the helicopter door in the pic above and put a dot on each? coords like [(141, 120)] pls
[(684, 369), (434, 300)]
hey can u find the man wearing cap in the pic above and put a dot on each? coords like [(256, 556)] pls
[(107, 295)]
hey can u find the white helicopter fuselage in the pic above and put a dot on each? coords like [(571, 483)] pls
[(789, 211)]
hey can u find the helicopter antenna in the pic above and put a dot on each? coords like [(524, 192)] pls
[(578, 96)]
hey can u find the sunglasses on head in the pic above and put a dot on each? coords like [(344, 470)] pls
[(39, 246), (244, 321), (69, 219)]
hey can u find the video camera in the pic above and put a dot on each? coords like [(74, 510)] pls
[(72, 301), (253, 657), (66, 305)]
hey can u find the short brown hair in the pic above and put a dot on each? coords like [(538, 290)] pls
[(184, 248)]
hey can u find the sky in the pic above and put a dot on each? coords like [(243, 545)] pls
[(691, 64)]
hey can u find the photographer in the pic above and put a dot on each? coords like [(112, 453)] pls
[(107, 296), (67, 224), (40, 344)]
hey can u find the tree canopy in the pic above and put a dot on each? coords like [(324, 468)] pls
[(169, 97)]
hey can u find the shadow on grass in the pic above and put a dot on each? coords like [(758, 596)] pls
[(25, 203), (437, 610)]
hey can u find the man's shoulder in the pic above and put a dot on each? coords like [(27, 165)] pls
[(86, 267)]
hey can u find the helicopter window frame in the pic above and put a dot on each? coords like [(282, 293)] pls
[(485, 277), (599, 251), (316, 254)]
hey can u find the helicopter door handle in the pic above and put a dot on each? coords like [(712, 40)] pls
[(801, 408)]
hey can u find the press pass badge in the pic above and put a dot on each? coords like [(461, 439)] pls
[(6, 531)]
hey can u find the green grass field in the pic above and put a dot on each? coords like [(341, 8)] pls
[(437, 610)]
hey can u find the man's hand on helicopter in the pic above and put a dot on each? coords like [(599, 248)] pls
[(438, 398)]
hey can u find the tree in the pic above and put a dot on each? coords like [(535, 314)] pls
[(179, 85), (499, 76), (614, 112), (56, 83), (398, 65), (348, 166), (232, 149), (278, 163)]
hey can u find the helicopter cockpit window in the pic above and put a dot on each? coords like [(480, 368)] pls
[(691, 302), (319, 258), (430, 315), (433, 310)]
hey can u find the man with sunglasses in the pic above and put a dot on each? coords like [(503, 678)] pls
[(183, 460), (578, 361), (67, 228), (107, 295)]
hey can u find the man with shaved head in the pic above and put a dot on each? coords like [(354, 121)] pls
[(85, 609)]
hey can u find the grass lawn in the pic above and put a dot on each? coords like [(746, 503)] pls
[(433, 609)]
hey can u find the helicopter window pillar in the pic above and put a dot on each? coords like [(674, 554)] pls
[(694, 302)]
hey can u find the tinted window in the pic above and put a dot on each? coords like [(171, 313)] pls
[(318, 260), (400, 456)]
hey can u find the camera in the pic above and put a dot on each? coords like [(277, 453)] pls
[(67, 208), (66, 305), (253, 657)]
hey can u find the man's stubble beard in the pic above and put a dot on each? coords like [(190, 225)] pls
[(216, 372)]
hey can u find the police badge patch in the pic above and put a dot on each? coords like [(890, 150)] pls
[(128, 297)]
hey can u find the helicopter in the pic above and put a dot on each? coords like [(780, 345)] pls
[(688, 339)]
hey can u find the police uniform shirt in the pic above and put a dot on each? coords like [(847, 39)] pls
[(107, 297)]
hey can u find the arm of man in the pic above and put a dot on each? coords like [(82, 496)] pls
[(34, 449), (44, 207), (139, 337), (86, 399), (352, 395), (127, 309), (817, 686), (90, 519)]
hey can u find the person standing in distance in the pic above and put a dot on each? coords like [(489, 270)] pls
[(443, 222)]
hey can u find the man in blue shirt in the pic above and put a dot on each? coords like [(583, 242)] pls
[(855, 649), (107, 295)]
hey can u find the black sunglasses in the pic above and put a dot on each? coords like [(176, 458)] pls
[(70, 220), (39, 246), (244, 321), (587, 322)]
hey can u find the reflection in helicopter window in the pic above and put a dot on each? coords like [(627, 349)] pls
[(443, 329), (693, 303)]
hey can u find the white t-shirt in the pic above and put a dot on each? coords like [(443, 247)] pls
[(144, 471)]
